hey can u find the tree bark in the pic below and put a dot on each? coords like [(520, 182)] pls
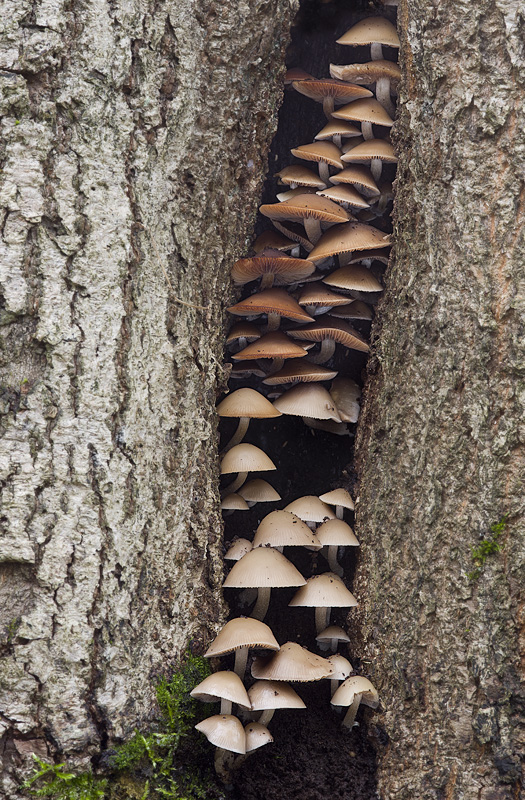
[(440, 447), (134, 143)]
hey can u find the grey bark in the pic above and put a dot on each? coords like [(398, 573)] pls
[(133, 145), (440, 448)]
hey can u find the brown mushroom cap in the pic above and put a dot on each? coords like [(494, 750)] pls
[(246, 402), (295, 232), (357, 176), (328, 327), (310, 509), (315, 294), (245, 458), (370, 30), (284, 529), (338, 497), (335, 532), (234, 502), (356, 309), (344, 194), (224, 731), (285, 269), (272, 345), (337, 127), (323, 591), (257, 735), (305, 206), (296, 74), (367, 73), (340, 91), (300, 372), (346, 238), (308, 400), (302, 176), (354, 277), (242, 632), (272, 240), (259, 491), (326, 152), (356, 684), (332, 632), (296, 664), (244, 369), (264, 695), (370, 149), (382, 255), (222, 685), (263, 567), (289, 194), (238, 549), (367, 110), (270, 301), (243, 330)]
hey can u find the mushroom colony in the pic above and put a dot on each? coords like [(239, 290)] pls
[(309, 288)]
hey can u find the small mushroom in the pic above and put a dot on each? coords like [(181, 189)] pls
[(299, 372), (335, 130), (325, 154), (276, 303), (329, 92), (341, 670), (330, 331), (238, 636), (233, 502), (225, 686), (345, 393), (329, 638), (339, 498), (276, 346), (272, 240), (384, 74), (360, 177), (352, 692), (332, 534), (267, 696), (295, 664), (310, 209), (244, 458), (347, 238), (318, 299), (296, 176), (308, 400), (346, 195), (374, 151), (368, 112), (284, 529), (271, 266), (227, 734), (310, 509), (238, 549), (323, 592), (375, 31), (257, 735), (242, 333), (353, 278), (258, 491), (245, 404), (296, 74)]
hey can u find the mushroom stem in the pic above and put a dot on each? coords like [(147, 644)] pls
[(325, 353), (223, 764), (332, 561), (376, 168), (376, 51), (339, 511), (322, 616), (263, 601), (266, 716), (333, 645), (295, 251), (276, 365), (274, 322), (349, 718), (267, 280), (328, 107), (239, 434), (236, 484), (324, 173), (313, 229), (337, 140), (226, 706), (241, 657), (383, 95), (334, 685), (367, 130)]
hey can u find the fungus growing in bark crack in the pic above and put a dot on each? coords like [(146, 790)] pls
[(335, 130), (264, 569), (375, 152), (341, 671), (384, 74), (272, 267), (346, 195), (339, 498), (375, 31), (329, 91), (318, 299), (309, 401), (242, 333), (244, 458), (268, 696), (297, 176), (329, 331), (368, 112), (239, 636), (348, 238), (345, 393), (311, 210), (284, 529), (329, 638), (258, 491), (233, 502), (323, 592), (333, 534), (360, 177), (245, 404), (275, 303), (352, 692), (300, 372), (292, 663), (225, 686), (325, 154), (238, 549)]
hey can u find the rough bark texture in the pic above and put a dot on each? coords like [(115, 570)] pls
[(441, 443), (133, 144)]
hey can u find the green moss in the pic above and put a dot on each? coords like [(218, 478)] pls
[(487, 547)]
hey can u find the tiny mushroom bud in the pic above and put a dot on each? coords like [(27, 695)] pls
[(335, 129), (351, 693)]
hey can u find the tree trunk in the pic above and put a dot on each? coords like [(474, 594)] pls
[(134, 144), (440, 448)]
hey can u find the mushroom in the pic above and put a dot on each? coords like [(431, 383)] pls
[(330, 637), (227, 734), (323, 592), (347, 196), (244, 458), (348, 238), (258, 491), (310, 509), (257, 735), (291, 193), (296, 176), (238, 549), (368, 112), (284, 529), (355, 309), (345, 393), (352, 692), (272, 240), (384, 74), (276, 345), (310, 209), (244, 369), (233, 502), (339, 498), (299, 372), (245, 404), (271, 266), (317, 299), (276, 303), (334, 131), (374, 151), (267, 696), (329, 92), (353, 277), (375, 31), (294, 663), (341, 670), (238, 636), (330, 331), (295, 232), (224, 686), (332, 534), (324, 153), (296, 74), (360, 177), (308, 400), (263, 568), (242, 333)]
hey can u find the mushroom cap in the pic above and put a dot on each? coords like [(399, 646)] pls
[(243, 330), (285, 269), (332, 632), (323, 591), (243, 369), (265, 695), (270, 301), (354, 277), (272, 240), (245, 458), (297, 74), (295, 232), (376, 255), (259, 491), (337, 127), (357, 176), (224, 731), (296, 664), (257, 735), (246, 402), (308, 400), (356, 309), (291, 193), (284, 529), (310, 509), (345, 392), (319, 151), (369, 149), (315, 294), (327, 327), (300, 175), (356, 684), (351, 143), (222, 685), (367, 110), (272, 345), (367, 73), (242, 632), (234, 502), (370, 30), (335, 532), (341, 667), (348, 237), (263, 567), (342, 92), (238, 549), (338, 497), (344, 193), (305, 206), (300, 372)]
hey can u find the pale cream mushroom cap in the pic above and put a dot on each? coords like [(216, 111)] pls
[(367, 110), (356, 684), (264, 695), (345, 393), (284, 529), (370, 30), (224, 731), (263, 567), (246, 458), (242, 632), (246, 402), (338, 497), (332, 632), (296, 664), (341, 667), (310, 509), (257, 735), (224, 685), (324, 591), (335, 532), (353, 277), (308, 400), (234, 502), (238, 549), (259, 491)]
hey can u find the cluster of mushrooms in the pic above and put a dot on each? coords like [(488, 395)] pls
[(322, 221)]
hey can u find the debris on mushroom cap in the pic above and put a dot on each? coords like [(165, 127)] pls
[(222, 685), (367, 110), (356, 684), (301, 176), (326, 152), (234, 502), (338, 497), (246, 458), (315, 294), (324, 591), (308, 400), (370, 30), (367, 73), (300, 372), (356, 309), (358, 176), (257, 735), (354, 277), (246, 402), (238, 549), (270, 301), (242, 632), (342, 92), (304, 206), (341, 667), (264, 695), (310, 509), (284, 529), (369, 149), (336, 127), (348, 237), (243, 330), (292, 663), (285, 269), (343, 193), (272, 345), (259, 491), (332, 632), (336, 532), (263, 567), (274, 240), (345, 393), (328, 327), (224, 731), (296, 74)]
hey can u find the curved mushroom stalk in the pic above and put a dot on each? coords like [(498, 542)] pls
[(266, 716), (331, 557), (236, 484), (263, 601), (367, 130), (383, 95), (328, 107), (241, 657), (376, 167), (313, 228), (325, 353), (239, 434), (322, 619), (349, 718), (324, 172)]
